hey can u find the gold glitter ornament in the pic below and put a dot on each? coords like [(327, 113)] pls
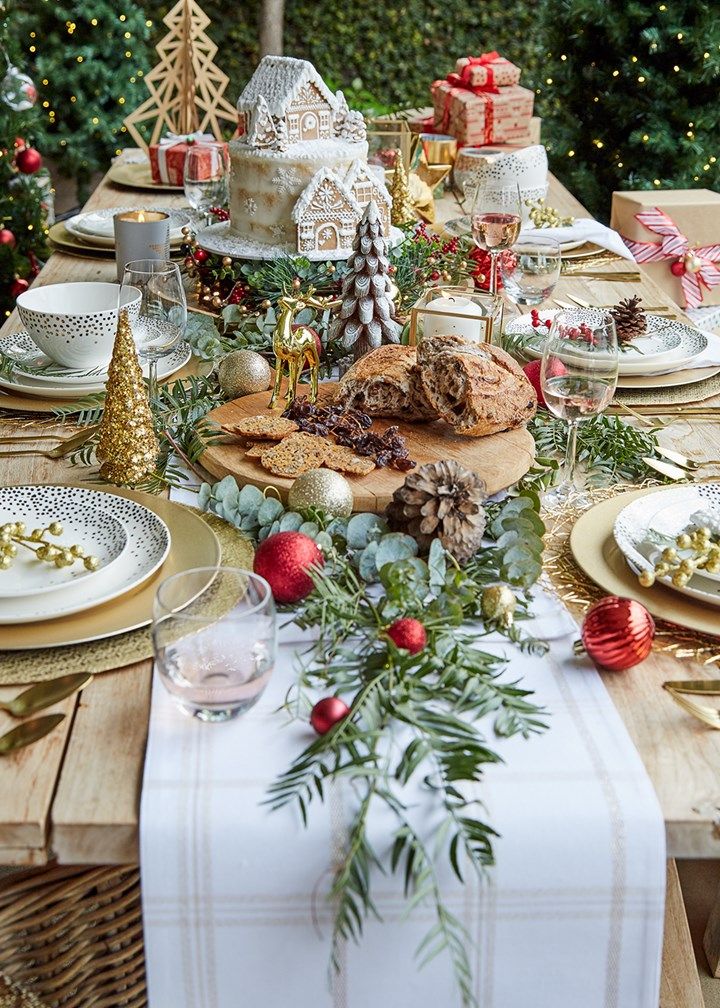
[(243, 372), (498, 604), (127, 444), (323, 489), (402, 208)]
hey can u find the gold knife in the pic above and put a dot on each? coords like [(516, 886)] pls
[(45, 694), (28, 732), (673, 472), (701, 687)]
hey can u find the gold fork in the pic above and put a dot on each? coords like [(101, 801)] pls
[(697, 687)]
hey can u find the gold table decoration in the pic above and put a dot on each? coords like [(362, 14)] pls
[(582, 564)]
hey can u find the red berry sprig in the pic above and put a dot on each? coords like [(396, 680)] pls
[(536, 321)]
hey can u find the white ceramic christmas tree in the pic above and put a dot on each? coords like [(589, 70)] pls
[(367, 316)]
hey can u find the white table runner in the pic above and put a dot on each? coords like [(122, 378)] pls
[(234, 894)]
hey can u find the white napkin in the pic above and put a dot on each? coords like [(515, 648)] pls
[(582, 229)]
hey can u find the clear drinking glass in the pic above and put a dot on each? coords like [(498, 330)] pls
[(215, 639), (206, 177), (578, 376), (530, 270), (162, 318), (495, 218)]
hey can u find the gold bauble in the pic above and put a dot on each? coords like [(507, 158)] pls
[(243, 372), (498, 604), (692, 263), (227, 261), (323, 489)]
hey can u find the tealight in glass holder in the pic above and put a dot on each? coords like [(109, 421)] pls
[(457, 311)]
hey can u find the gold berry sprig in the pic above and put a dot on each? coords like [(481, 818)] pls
[(543, 215), (14, 534), (705, 556)]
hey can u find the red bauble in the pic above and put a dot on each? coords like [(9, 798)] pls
[(678, 268), (18, 287), (409, 634), (7, 237), (283, 560), (327, 712), (28, 160), (618, 633), (532, 373), (201, 256)]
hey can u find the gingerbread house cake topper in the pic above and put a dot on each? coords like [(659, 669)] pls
[(326, 215), (286, 102)]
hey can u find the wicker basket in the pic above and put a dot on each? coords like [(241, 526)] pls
[(72, 936)]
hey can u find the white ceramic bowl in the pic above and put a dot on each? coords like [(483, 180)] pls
[(75, 323)]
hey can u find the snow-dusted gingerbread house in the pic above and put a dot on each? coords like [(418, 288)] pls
[(300, 179)]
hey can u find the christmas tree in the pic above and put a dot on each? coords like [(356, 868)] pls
[(367, 315), (630, 95), (402, 209), (23, 242), (88, 61)]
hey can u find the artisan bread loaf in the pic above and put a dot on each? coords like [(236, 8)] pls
[(386, 383), (476, 388)]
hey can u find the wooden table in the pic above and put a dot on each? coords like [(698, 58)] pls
[(74, 796)]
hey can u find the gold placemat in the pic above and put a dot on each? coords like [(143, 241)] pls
[(697, 392), (576, 587), (41, 664)]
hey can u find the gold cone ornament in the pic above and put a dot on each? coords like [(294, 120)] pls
[(127, 444), (402, 208)]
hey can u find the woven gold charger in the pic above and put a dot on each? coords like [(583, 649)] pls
[(41, 664), (578, 589), (697, 392)]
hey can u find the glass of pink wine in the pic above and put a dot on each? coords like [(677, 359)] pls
[(496, 218)]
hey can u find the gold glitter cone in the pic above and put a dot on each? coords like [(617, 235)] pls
[(127, 444), (402, 208)]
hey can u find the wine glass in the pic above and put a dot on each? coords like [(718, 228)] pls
[(162, 317), (206, 177), (215, 640), (578, 376), (530, 270), (496, 218)]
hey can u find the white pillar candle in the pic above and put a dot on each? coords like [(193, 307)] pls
[(444, 316)]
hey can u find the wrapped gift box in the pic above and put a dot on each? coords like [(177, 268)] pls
[(677, 242), (167, 158), (479, 118), (489, 70)]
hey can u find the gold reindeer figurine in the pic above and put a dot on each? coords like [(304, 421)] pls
[(295, 345)]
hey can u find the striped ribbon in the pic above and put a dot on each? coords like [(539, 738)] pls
[(674, 246)]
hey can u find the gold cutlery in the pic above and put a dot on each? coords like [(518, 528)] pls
[(44, 694), (672, 472), (697, 687), (59, 451), (28, 732), (610, 277), (682, 460)]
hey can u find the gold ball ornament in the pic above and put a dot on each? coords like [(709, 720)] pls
[(692, 263), (243, 372), (323, 489), (498, 604), (227, 261)]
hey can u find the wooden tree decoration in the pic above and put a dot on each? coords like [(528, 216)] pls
[(186, 88), (366, 318)]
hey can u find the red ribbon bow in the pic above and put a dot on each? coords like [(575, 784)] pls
[(674, 246), (463, 79)]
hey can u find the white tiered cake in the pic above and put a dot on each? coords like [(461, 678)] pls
[(299, 178)]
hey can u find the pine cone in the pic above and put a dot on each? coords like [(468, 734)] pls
[(441, 500), (630, 321)]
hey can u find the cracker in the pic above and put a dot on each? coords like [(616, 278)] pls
[(345, 460), (296, 454), (263, 427), (256, 449)]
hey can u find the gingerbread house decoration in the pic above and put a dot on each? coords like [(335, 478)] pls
[(365, 187), (297, 98), (326, 215)]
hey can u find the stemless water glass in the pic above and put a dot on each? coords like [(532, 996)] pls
[(530, 270), (206, 177), (215, 640), (495, 218), (578, 376), (162, 318)]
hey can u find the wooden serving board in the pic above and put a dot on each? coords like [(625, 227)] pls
[(501, 459)]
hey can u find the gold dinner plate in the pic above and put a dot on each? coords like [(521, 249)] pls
[(688, 377), (36, 404), (587, 250), (65, 241), (597, 554), (137, 176), (193, 544)]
